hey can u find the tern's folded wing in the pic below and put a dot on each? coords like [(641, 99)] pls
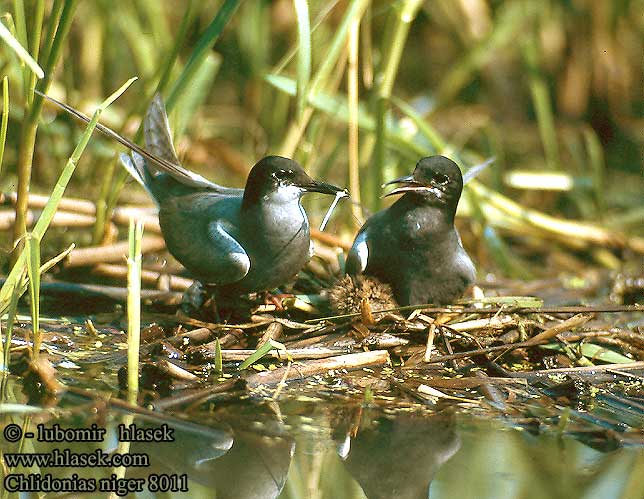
[(228, 261)]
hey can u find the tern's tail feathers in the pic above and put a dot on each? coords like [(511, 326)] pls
[(135, 165), (158, 138)]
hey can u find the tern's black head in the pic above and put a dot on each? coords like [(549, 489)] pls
[(436, 180), (275, 174)]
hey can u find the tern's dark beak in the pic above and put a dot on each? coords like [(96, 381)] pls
[(400, 180), (407, 184), (316, 186)]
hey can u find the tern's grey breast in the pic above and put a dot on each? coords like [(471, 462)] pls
[(277, 237)]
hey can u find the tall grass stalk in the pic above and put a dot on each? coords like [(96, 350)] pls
[(366, 47), (110, 185), (4, 125), (13, 295), (14, 278), (598, 170), (322, 76), (114, 180), (33, 272), (48, 40), (20, 22), (60, 26), (36, 29), (122, 448), (20, 51), (303, 54), (202, 49), (352, 86), (28, 260), (134, 309), (393, 45), (179, 38), (542, 103)]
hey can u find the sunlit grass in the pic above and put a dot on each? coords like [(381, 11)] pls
[(28, 260), (423, 79), (134, 309)]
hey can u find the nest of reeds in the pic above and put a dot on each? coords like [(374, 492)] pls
[(349, 294)]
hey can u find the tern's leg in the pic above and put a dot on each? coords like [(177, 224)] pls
[(270, 298)]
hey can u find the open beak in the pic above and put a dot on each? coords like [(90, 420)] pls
[(407, 179), (408, 184)]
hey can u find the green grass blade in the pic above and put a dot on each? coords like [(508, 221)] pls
[(5, 117), (20, 34), (303, 54), (59, 26), (404, 14), (353, 129), (434, 138), (334, 106), (61, 31), (596, 352), (52, 26), (36, 30), (20, 21), (202, 49), (20, 51), (542, 102), (134, 309), (598, 168), (261, 352), (32, 248), (337, 108), (172, 55), (592, 352), (355, 11), (219, 363), (13, 279), (288, 56), (188, 102), (13, 295)]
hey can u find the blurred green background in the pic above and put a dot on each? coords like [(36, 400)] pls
[(358, 91), (551, 89)]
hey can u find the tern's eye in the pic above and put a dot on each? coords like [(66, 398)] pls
[(282, 174), (441, 179)]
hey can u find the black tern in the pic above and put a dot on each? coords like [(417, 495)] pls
[(413, 245), (239, 240), (236, 240)]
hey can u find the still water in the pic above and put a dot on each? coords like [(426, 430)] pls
[(319, 449)]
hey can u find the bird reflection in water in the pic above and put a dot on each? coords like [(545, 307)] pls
[(387, 456)]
